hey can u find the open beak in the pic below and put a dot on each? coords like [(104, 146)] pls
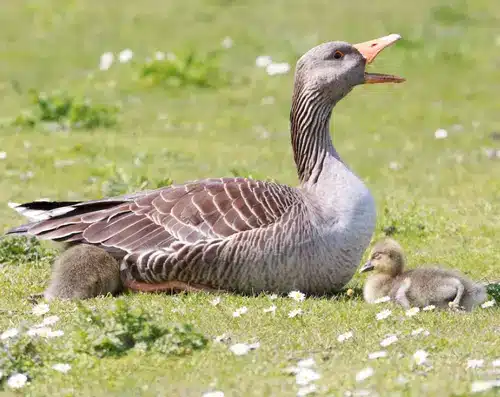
[(366, 267), (370, 50)]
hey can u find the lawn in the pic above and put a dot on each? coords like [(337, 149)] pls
[(440, 197)]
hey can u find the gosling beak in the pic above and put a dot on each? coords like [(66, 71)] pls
[(370, 50), (366, 267)]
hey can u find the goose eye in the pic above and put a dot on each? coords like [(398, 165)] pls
[(338, 54)]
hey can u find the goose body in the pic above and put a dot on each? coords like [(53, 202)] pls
[(240, 234)]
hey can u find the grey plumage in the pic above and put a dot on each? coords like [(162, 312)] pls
[(418, 287), (239, 234), (84, 271)]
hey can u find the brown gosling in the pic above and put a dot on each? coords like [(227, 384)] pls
[(419, 287), (84, 271)]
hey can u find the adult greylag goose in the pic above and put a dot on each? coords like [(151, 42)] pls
[(418, 287), (239, 234)]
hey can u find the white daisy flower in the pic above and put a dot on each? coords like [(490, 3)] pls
[(343, 337), (106, 61), (240, 349), (412, 312), (240, 311), (1, 374), (10, 333), (40, 331), (215, 301), (17, 381), (60, 367), (159, 55), (440, 133), (51, 320), (227, 42), (306, 363), (306, 390), (484, 385), (496, 363), (125, 56), (55, 334), (488, 304), (270, 309), (213, 394), (394, 165), (364, 374), (297, 296), (277, 68), (383, 314), (379, 354), (40, 309), (263, 61), (3, 155), (383, 299), (472, 364), (305, 376), (273, 297), (429, 308), (295, 313), (389, 341), (420, 357), (419, 331)]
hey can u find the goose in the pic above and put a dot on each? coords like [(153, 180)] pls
[(420, 287), (238, 234), (84, 271)]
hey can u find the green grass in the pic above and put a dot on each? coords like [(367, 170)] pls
[(442, 202)]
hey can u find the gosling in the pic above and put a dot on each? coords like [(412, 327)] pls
[(84, 271), (420, 287)]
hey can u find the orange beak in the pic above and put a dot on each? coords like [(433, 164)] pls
[(370, 50)]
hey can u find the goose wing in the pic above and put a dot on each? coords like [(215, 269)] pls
[(199, 210)]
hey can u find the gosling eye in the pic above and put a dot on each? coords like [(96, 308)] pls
[(376, 256), (338, 54)]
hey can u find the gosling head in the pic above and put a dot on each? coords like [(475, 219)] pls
[(386, 257), (336, 67)]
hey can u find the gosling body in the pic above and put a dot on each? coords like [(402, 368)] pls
[(84, 271), (443, 288)]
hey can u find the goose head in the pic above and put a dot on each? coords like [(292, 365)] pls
[(386, 257), (336, 67)]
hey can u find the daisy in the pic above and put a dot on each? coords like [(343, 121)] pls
[(383, 299), (213, 394), (306, 390), (295, 313), (40, 309), (297, 296), (306, 363), (429, 308), (125, 56), (488, 304), (17, 381), (440, 133), (263, 61), (64, 368), (10, 333), (420, 357), (389, 341), (379, 354), (240, 349), (106, 61), (343, 337), (496, 363), (419, 331), (51, 320), (273, 297), (3, 155), (484, 385), (227, 42), (215, 301), (411, 312), (271, 309), (305, 376), (55, 334), (471, 364), (383, 314), (277, 68), (240, 311), (364, 374)]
